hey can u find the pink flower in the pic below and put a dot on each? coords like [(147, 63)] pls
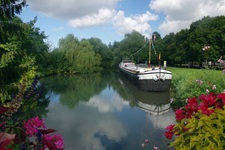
[(32, 125), (200, 82), (146, 140), (55, 139)]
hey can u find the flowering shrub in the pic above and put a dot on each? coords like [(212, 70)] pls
[(35, 128), (16, 132), (200, 123)]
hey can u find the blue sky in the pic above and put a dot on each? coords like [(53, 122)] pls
[(110, 20)]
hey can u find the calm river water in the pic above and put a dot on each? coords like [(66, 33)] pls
[(106, 112)]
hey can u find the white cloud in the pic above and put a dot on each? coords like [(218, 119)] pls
[(179, 14), (114, 103), (70, 9), (103, 16), (86, 13), (138, 23), (79, 126)]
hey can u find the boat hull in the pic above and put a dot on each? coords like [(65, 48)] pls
[(152, 81)]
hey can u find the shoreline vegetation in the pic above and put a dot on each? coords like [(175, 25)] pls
[(25, 54), (199, 106), (185, 79)]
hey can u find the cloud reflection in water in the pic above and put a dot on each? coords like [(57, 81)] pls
[(79, 126)]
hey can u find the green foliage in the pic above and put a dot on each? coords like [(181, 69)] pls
[(129, 45), (8, 55), (102, 50), (74, 56), (22, 48), (28, 75), (75, 89), (184, 83), (186, 45), (204, 132), (8, 8)]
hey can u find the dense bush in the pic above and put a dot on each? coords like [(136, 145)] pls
[(200, 124)]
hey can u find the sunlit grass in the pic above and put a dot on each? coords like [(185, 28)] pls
[(184, 81)]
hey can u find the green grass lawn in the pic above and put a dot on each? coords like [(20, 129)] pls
[(184, 83)]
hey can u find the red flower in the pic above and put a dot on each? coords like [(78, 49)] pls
[(219, 104), (208, 103), (169, 135), (192, 104), (179, 114), (205, 110), (208, 99), (221, 96), (6, 139), (170, 127), (189, 113)]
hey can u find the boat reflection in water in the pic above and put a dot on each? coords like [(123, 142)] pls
[(155, 104)]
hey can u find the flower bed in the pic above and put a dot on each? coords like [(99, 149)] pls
[(200, 123)]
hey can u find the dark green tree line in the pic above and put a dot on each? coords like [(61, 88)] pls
[(187, 45)]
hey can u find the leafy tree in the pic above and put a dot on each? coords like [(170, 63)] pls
[(182, 47), (131, 43), (21, 49), (103, 50), (8, 8), (187, 45), (74, 56), (167, 46)]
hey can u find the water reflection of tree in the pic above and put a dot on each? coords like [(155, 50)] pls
[(32, 108), (80, 88), (75, 89), (117, 85), (34, 102)]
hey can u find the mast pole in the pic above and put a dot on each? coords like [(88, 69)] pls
[(149, 53)]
